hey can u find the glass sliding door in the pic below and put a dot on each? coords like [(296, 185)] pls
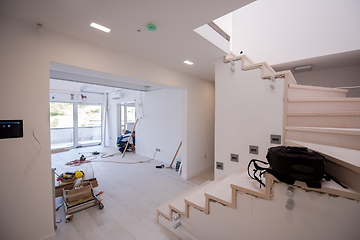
[(61, 125), (89, 124), (75, 124)]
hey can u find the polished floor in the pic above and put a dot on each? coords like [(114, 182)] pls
[(132, 192)]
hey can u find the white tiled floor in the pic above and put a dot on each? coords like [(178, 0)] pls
[(132, 192)]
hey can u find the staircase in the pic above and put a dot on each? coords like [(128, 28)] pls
[(319, 118)]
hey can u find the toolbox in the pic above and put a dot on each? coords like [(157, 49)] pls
[(77, 199)]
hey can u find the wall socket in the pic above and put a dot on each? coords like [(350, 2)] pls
[(158, 149)]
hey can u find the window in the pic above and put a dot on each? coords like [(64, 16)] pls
[(75, 124), (61, 124)]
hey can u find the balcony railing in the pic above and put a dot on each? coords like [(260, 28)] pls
[(64, 137)]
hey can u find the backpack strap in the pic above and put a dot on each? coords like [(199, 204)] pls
[(257, 168), (329, 177)]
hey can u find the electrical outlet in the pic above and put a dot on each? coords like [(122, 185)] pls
[(158, 149), (219, 165)]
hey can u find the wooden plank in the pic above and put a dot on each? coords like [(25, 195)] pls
[(326, 113), (60, 150), (329, 99), (341, 138), (342, 131), (285, 109), (317, 88), (59, 189)]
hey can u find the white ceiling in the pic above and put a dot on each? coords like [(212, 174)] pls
[(173, 42)]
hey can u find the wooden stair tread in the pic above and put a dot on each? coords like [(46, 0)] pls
[(164, 210), (329, 113), (222, 192), (349, 158), (245, 184), (329, 187), (347, 131), (324, 99), (317, 88), (198, 200), (178, 203)]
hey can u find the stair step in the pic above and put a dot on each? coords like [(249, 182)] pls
[(252, 66), (338, 137), (222, 192), (304, 91), (349, 158), (198, 200), (178, 203), (323, 104), (349, 119), (165, 211), (247, 185)]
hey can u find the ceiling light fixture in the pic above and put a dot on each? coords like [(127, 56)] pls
[(99, 27), (303, 68), (188, 62)]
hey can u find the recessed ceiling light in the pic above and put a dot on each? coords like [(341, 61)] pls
[(188, 62), (101, 28)]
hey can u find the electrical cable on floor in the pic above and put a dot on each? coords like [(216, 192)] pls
[(59, 207), (60, 221), (103, 155), (77, 162), (125, 162)]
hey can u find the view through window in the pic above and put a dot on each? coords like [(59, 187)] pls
[(64, 130)]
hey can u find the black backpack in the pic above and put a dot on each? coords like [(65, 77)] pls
[(288, 164)]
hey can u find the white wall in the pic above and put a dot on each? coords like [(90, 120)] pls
[(335, 77), (248, 111), (278, 31), (161, 126), (24, 74)]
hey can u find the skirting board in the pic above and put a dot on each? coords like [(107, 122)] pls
[(193, 174), (51, 237)]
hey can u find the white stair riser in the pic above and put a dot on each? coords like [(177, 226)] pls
[(312, 93), (323, 106), (338, 140), (324, 121)]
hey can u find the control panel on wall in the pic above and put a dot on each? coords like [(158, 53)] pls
[(11, 129)]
